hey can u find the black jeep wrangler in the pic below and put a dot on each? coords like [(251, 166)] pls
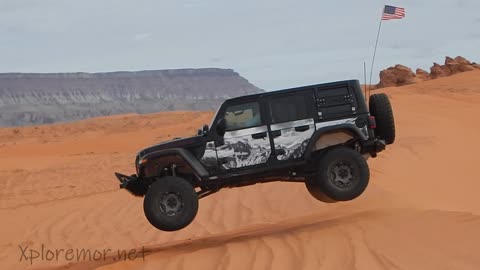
[(320, 135)]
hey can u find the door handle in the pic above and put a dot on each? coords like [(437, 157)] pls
[(276, 133), (302, 128), (259, 135)]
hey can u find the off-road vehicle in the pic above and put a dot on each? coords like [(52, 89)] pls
[(320, 135)]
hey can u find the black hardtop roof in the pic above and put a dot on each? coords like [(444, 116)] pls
[(289, 90)]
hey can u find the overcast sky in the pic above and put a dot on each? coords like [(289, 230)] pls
[(274, 44)]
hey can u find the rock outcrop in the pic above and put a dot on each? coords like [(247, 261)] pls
[(57, 97), (401, 75), (396, 76), (452, 66), (437, 71), (422, 74)]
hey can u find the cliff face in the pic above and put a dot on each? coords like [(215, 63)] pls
[(46, 98)]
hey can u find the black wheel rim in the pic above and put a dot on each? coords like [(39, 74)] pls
[(342, 174), (171, 204)]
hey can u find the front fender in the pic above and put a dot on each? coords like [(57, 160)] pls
[(187, 157)]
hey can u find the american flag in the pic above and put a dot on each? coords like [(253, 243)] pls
[(393, 13)]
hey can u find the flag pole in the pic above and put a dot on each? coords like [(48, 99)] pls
[(375, 50)]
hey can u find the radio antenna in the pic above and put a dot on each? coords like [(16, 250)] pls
[(365, 77)]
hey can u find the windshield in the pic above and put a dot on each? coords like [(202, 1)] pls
[(215, 116)]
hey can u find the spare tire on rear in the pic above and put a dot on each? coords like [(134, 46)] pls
[(381, 108)]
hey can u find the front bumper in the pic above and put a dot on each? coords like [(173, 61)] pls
[(132, 183)]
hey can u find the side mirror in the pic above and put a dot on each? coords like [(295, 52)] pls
[(221, 126), (203, 131)]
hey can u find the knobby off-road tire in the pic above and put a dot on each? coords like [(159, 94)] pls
[(342, 175), (381, 108), (171, 203), (315, 190)]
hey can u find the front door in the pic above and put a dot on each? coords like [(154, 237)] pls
[(246, 141)]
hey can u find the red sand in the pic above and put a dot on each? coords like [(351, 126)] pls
[(421, 210)]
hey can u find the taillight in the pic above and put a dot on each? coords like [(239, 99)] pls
[(371, 122)]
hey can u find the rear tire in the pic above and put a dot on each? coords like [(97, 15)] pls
[(381, 108), (342, 175), (316, 192), (171, 203)]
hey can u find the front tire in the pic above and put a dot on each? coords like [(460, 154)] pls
[(342, 175), (171, 203)]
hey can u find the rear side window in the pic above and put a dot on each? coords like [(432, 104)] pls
[(335, 102), (288, 108)]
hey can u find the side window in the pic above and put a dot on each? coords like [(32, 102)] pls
[(242, 116), (288, 108)]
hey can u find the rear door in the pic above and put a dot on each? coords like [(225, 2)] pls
[(292, 123)]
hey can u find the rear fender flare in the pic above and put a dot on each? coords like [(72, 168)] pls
[(349, 128)]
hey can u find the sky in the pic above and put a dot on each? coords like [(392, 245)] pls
[(274, 44)]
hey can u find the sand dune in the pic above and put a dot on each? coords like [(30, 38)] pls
[(421, 210)]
